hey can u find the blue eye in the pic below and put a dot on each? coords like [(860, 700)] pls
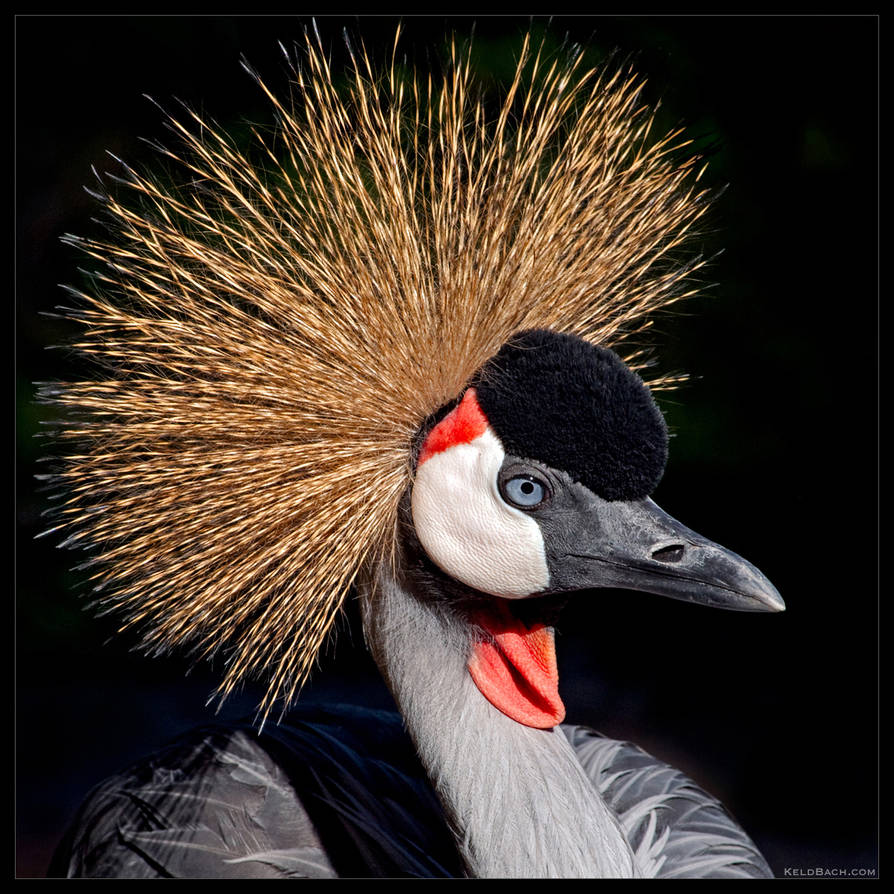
[(524, 491)]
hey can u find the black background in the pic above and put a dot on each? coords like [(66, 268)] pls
[(775, 443)]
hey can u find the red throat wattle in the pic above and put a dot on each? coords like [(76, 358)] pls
[(515, 667)]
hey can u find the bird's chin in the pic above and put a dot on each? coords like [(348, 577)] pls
[(513, 660)]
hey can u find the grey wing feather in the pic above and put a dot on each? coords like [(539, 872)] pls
[(335, 791), (675, 828), (220, 807)]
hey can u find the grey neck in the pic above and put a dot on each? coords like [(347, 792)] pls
[(517, 798)]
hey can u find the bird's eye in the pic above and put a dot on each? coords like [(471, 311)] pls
[(524, 491)]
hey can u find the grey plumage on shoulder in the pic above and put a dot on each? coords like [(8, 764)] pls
[(211, 806), (675, 828), (340, 795)]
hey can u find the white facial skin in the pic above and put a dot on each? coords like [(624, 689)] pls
[(468, 530)]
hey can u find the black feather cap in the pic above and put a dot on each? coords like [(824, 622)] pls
[(578, 407)]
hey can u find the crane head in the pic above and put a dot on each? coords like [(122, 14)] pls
[(538, 482)]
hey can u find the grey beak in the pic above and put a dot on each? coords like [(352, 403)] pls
[(635, 545)]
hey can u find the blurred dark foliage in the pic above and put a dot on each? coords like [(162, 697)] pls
[(774, 452)]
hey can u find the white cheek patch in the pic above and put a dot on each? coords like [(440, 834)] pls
[(466, 527)]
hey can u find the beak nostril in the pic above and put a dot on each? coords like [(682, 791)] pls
[(672, 553)]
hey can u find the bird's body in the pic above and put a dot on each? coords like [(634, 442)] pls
[(387, 368), (338, 791)]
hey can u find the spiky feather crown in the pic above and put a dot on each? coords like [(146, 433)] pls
[(272, 336)]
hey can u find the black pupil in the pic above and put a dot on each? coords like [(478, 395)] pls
[(527, 487)]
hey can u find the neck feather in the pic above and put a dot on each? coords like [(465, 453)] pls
[(518, 800)]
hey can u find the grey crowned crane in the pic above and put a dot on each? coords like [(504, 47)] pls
[(387, 361)]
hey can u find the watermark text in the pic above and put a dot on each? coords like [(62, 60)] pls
[(827, 872)]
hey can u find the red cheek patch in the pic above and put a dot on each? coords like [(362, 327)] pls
[(461, 425)]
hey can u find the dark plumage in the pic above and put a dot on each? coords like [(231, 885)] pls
[(336, 790), (339, 791), (563, 401)]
